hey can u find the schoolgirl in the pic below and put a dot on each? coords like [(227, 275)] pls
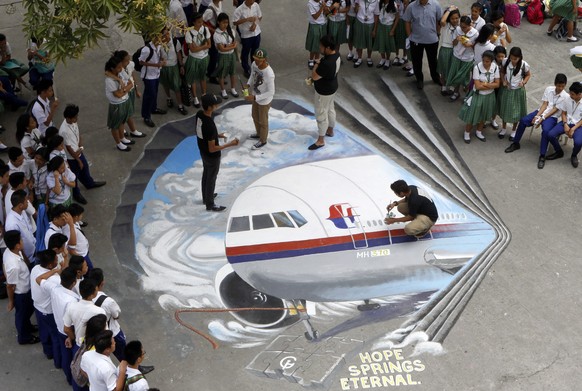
[(317, 11), (198, 39), (500, 54), (449, 22), (400, 36), (28, 135), (515, 74), (483, 42), (365, 28), (60, 181), (350, 22), (172, 72), (116, 92), (336, 21), (384, 42), (477, 22), (501, 36), (480, 105), (225, 44), (464, 38)]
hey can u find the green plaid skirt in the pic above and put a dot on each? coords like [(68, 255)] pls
[(195, 69), (226, 65), (459, 72), (338, 30), (363, 35), (117, 114), (576, 61), (170, 77), (513, 106), (314, 34), (564, 9), (444, 62), (131, 103), (351, 25), (481, 109), (384, 42), (400, 35)]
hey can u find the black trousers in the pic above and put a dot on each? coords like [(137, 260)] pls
[(211, 166), (417, 53)]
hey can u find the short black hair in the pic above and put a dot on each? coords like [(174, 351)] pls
[(42, 151), (2, 37), (18, 197), (133, 351), (56, 211), (71, 111), (12, 238), (489, 54), (96, 275), (16, 179), (496, 15), (4, 169), (560, 79), (400, 186), (43, 85), (327, 41), (576, 87), (87, 288), (95, 325), (57, 241), (55, 163), (50, 132), (76, 262), (103, 341), (46, 257), (76, 210), (499, 49), (14, 153), (68, 277), (477, 5)]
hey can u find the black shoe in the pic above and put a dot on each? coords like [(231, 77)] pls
[(512, 147), (215, 208), (574, 161), (80, 199), (541, 162), (127, 149), (137, 134), (182, 110), (31, 341), (145, 369), (419, 84), (159, 111), (129, 142), (97, 184), (481, 138), (555, 155), (149, 122), (83, 224)]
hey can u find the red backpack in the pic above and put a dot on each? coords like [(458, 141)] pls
[(534, 12)]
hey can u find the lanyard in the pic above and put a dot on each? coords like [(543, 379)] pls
[(574, 107)]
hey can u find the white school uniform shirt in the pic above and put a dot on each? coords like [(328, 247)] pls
[(387, 18), (39, 175), (198, 38), (78, 314), (61, 297), (41, 294), (338, 17), (243, 12), (112, 311), (30, 211), (478, 24), (212, 13), (171, 53), (112, 85), (21, 223), (16, 271), (140, 385), (65, 189), (460, 51), (41, 111), (500, 36), (352, 10), (513, 81), (262, 84), (82, 246), (150, 73), (400, 7), (70, 134), (447, 36), (222, 37), (25, 168), (367, 11), (100, 370), (127, 74), (554, 100), (30, 140), (573, 110), (53, 229), (485, 76), (313, 7), (481, 48)]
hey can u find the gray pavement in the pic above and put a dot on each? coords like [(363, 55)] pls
[(518, 331)]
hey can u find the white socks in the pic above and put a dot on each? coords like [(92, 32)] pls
[(467, 136), (479, 134), (121, 146)]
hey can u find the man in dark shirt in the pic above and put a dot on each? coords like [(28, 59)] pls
[(324, 77), (210, 149), (415, 206)]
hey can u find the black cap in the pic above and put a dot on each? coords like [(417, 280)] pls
[(210, 100)]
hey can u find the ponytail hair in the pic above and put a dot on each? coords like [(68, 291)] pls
[(516, 52), (222, 17)]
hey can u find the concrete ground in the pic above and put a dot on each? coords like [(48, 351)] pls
[(519, 330)]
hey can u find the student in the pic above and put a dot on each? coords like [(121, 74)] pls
[(38, 173), (416, 206), (151, 62), (261, 89), (28, 135), (209, 16), (125, 76), (17, 219), (365, 28), (500, 54), (571, 121), (477, 22), (15, 268), (99, 368), (384, 42), (17, 162), (43, 109), (42, 67), (247, 18), (79, 265), (501, 36), (449, 22), (9, 66), (60, 181), (317, 11), (209, 146), (483, 42), (564, 9), (350, 21), (116, 91), (82, 245), (173, 70), (8, 96), (134, 355), (515, 74), (482, 102), (400, 36), (336, 22), (464, 38), (58, 243), (547, 115), (61, 223), (198, 39), (225, 44)]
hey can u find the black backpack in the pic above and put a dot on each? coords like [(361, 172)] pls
[(136, 55)]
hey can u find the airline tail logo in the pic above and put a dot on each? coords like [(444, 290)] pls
[(342, 216)]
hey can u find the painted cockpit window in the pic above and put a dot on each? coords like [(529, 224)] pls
[(239, 224), (283, 220), (297, 217), (263, 221)]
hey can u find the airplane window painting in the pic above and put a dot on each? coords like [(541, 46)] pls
[(239, 224), (282, 220), (299, 220), (262, 222)]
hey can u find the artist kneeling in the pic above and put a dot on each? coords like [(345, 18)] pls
[(416, 206)]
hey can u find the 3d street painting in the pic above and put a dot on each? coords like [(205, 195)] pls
[(302, 257)]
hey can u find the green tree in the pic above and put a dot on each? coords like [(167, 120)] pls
[(72, 26)]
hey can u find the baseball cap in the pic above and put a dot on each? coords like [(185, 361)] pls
[(210, 100), (260, 53)]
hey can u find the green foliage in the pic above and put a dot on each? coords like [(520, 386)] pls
[(72, 26)]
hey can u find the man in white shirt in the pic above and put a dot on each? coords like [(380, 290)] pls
[(61, 297), (15, 268), (61, 223), (18, 220), (43, 109), (77, 314), (261, 86), (247, 17), (82, 247), (100, 370), (134, 355), (18, 163), (151, 61)]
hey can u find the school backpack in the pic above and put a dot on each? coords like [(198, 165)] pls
[(512, 15), (562, 29), (486, 10), (134, 379), (135, 57), (534, 12), (76, 372)]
